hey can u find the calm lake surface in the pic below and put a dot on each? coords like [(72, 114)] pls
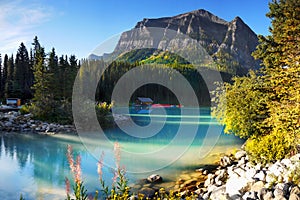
[(36, 165)]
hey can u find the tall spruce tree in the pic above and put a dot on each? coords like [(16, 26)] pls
[(31, 75), (43, 98), (9, 82), (72, 70), (22, 74), (54, 69), (1, 76), (4, 74)]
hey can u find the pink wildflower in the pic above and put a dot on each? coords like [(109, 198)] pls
[(70, 158), (100, 166), (116, 175), (67, 186), (77, 172), (117, 150), (75, 167)]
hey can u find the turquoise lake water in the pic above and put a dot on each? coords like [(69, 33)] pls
[(182, 139)]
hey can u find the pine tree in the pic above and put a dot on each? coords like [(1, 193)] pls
[(10, 78), (71, 75), (1, 81), (22, 76), (54, 70), (43, 99), (62, 75), (270, 117), (31, 75), (4, 74), (281, 48)]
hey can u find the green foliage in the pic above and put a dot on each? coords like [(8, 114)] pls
[(103, 109), (265, 107), (25, 109), (294, 174), (80, 193), (225, 62), (1, 79), (4, 76), (136, 55), (21, 197), (103, 112), (53, 84), (23, 76), (10, 66), (53, 111), (166, 57), (241, 106), (43, 78), (92, 71), (268, 148)]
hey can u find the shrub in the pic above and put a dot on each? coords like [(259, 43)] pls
[(103, 111), (268, 148), (25, 109), (241, 106), (294, 174), (55, 111)]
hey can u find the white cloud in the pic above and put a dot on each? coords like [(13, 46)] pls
[(18, 18)]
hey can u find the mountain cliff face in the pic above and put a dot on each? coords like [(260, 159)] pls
[(230, 44)]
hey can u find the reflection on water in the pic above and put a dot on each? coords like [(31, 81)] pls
[(36, 165)]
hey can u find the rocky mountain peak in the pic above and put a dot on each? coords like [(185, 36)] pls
[(199, 15), (230, 44)]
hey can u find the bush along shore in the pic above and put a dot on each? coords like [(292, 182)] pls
[(235, 177)]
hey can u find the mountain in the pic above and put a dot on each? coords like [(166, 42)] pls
[(229, 44)]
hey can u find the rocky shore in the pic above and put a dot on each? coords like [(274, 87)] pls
[(15, 122), (236, 178)]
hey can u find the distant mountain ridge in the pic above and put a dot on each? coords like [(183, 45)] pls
[(230, 44)]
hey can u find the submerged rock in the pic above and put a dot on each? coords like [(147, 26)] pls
[(147, 193)]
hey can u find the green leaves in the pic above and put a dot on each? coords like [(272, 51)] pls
[(241, 106), (265, 106)]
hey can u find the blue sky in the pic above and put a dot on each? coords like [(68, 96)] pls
[(79, 26)]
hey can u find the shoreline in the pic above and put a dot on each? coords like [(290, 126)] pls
[(227, 175), (13, 121), (235, 177)]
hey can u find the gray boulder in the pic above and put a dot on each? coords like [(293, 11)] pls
[(154, 178), (238, 155)]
